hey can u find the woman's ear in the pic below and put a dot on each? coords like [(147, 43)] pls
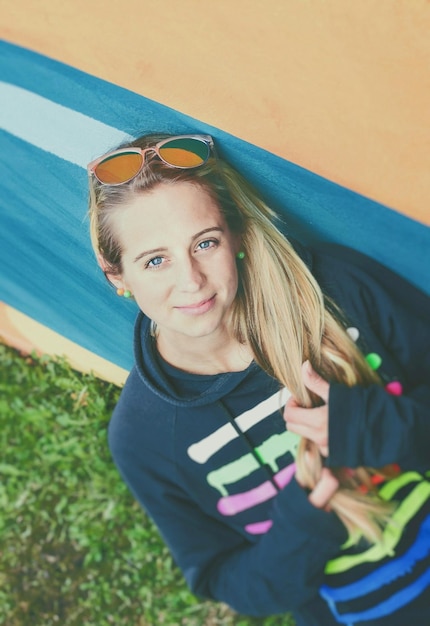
[(102, 263), (114, 279)]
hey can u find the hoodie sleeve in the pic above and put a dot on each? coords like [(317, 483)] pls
[(280, 571), (371, 426), (368, 426)]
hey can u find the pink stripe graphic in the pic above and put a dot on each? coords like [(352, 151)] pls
[(231, 505), (259, 528)]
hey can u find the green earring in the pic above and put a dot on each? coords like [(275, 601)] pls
[(124, 292), (240, 255)]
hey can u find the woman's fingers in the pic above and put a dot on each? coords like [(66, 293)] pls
[(324, 490), (314, 382), (309, 423)]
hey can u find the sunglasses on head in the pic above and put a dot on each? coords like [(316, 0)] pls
[(121, 166)]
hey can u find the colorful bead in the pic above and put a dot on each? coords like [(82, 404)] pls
[(353, 332), (240, 255), (123, 292), (377, 479), (394, 387), (374, 360)]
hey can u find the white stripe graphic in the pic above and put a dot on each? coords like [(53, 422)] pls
[(55, 128), (201, 451)]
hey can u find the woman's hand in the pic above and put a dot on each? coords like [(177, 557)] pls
[(310, 423), (324, 490)]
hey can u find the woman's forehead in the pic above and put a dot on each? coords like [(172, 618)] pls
[(166, 212)]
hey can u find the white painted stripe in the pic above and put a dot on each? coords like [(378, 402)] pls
[(55, 128), (202, 450), (265, 408)]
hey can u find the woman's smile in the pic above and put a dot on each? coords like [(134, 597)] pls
[(198, 309)]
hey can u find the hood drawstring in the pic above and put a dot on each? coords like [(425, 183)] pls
[(253, 451)]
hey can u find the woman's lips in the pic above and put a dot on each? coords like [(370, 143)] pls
[(197, 309)]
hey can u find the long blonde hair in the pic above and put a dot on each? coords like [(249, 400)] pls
[(279, 311)]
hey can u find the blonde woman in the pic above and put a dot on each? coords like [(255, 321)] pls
[(276, 423)]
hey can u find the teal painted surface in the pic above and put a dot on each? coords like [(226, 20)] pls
[(54, 119)]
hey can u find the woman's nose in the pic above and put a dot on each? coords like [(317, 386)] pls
[(190, 276)]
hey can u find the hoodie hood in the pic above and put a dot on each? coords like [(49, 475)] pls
[(173, 385)]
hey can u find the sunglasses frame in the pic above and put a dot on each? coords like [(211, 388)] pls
[(206, 139)]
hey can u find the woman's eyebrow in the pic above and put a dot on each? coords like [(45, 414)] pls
[(142, 254), (199, 234), (207, 230)]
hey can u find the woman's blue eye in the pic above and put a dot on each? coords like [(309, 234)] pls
[(155, 261), (204, 245)]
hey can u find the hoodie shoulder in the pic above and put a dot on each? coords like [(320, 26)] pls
[(345, 274), (139, 421)]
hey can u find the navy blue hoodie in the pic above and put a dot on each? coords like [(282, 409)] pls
[(209, 459)]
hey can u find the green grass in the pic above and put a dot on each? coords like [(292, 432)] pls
[(75, 549)]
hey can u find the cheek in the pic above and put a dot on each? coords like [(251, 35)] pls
[(150, 289), (150, 303), (135, 276), (233, 275)]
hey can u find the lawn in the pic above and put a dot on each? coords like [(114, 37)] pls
[(75, 549)]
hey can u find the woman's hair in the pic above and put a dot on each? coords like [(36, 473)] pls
[(279, 310)]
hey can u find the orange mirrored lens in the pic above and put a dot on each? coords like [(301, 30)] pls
[(180, 158), (119, 168), (184, 152)]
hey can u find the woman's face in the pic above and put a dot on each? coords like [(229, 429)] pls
[(179, 260)]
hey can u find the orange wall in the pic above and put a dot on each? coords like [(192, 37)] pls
[(341, 87)]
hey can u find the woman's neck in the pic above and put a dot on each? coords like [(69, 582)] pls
[(205, 356)]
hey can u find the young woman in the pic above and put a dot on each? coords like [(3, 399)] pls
[(267, 510)]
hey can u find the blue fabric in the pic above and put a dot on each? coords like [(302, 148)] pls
[(47, 267)]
